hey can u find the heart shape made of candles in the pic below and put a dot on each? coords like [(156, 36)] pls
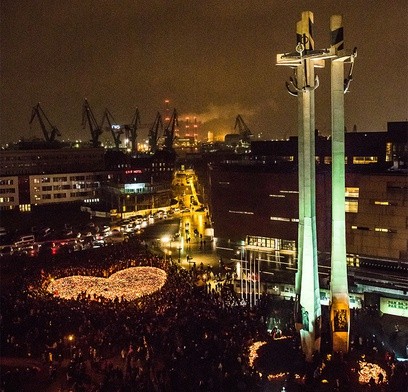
[(130, 283)]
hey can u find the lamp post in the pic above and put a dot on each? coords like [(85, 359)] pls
[(71, 339), (166, 240)]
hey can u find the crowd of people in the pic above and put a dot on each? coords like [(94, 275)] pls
[(184, 337)]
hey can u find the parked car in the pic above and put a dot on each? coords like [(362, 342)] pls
[(48, 248), (67, 233), (28, 250), (44, 232), (98, 243), (70, 246), (158, 215), (24, 240), (6, 251), (116, 238)]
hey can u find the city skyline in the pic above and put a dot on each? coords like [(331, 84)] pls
[(212, 61)]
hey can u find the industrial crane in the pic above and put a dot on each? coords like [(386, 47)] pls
[(116, 130), (154, 132), (89, 118), (131, 130), (44, 121), (169, 131), (244, 131)]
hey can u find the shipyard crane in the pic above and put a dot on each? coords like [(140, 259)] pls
[(38, 113), (154, 132), (244, 131), (116, 130), (131, 130), (88, 118), (169, 131)]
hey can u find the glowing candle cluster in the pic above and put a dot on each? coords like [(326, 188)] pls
[(129, 284), (253, 351), (277, 376), (370, 370)]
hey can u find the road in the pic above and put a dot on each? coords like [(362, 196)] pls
[(176, 238)]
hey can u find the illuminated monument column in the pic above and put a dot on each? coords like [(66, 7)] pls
[(339, 305), (302, 85)]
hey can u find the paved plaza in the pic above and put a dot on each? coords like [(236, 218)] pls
[(227, 333)]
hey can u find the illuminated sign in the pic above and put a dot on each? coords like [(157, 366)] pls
[(137, 171), (134, 187), (396, 307)]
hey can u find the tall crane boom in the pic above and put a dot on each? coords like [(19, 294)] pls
[(154, 132), (170, 130), (88, 118), (38, 113), (244, 131), (131, 130), (116, 130)]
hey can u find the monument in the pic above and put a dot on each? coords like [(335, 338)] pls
[(339, 301), (302, 84)]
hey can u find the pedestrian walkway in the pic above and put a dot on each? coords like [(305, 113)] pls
[(378, 331)]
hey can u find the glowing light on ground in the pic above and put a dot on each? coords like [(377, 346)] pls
[(130, 283), (253, 352), (371, 370), (277, 376)]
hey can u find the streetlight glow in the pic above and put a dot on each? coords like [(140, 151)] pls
[(165, 239)]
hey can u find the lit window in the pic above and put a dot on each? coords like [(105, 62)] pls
[(388, 152), (288, 191), (279, 218), (353, 260), (383, 230), (352, 206), (364, 160), (289, 158), (382, 203), (352, 192)]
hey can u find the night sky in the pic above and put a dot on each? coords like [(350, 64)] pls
[(212, 59)]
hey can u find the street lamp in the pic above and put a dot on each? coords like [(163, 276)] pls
[(71, 339), (165, 239)]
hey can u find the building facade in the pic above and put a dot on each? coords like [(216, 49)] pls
[(97, 177), (254, 202)]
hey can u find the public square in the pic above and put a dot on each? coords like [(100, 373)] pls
[(190, 335)]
